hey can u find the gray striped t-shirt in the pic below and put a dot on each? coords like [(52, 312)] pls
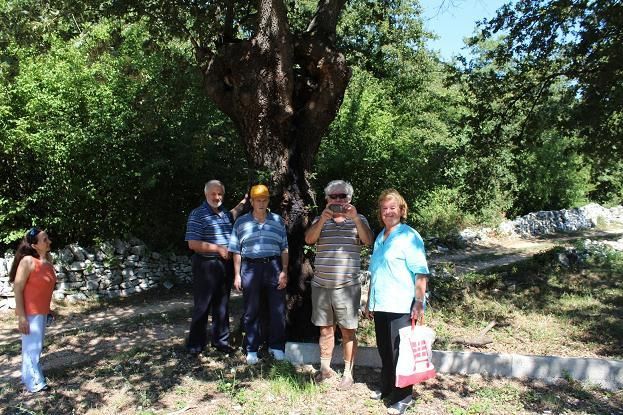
[(337, 254)]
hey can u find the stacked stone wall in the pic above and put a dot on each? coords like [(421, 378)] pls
[(548, 222), (563, 221), (110, 270)]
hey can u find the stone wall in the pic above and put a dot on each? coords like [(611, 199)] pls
[(561, 221), (110, 270), (548, 222)]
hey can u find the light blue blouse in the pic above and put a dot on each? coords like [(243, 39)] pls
[(394, 265)]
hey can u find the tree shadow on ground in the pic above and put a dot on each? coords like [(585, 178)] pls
[(137, 363), (587, 296), (471, 394)]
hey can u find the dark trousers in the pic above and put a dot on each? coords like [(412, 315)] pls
[(260, 280), (386, 326), (212, 281)]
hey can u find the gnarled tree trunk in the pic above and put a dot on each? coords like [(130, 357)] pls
[(282, 91)]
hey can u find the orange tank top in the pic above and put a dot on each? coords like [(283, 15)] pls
[(39, 287)]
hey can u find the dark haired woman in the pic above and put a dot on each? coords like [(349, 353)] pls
[(34, 280)]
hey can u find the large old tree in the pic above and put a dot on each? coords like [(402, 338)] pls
[(282, 89), (281, 86), (271, 66)]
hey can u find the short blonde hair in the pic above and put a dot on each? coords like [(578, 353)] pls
[(393, 194)]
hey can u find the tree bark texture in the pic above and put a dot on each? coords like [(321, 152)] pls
[(282, 91)]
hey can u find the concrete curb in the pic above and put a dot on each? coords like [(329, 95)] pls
[(607, 374)]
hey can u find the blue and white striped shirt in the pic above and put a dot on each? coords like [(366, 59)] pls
[(208, 226), (252, 239)]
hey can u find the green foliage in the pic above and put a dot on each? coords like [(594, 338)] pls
[(552, 174), (601, 255), (385, 38), (403, 140), (105, 131), (559, 47), (97, 130), (439, 214)]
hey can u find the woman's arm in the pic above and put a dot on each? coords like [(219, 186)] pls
[(420, 291), (24, 269)]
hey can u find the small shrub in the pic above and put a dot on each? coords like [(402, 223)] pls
[(440, 215)]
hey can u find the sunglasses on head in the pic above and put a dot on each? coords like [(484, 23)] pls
[(31, 234), (338, 196)]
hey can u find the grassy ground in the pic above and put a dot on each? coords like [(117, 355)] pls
[(137, 363), (162, 379), (539, 306)]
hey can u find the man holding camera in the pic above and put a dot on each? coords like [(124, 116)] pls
[(339, 233)]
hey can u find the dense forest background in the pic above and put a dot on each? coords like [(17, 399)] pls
[(105, 130)]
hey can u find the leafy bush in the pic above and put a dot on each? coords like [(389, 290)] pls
[(552, 175), (440, 215), (107, 135)]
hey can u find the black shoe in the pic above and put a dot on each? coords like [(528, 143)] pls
[(194, 351), (225, 349)]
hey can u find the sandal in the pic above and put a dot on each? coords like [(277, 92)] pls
[(320, 376)]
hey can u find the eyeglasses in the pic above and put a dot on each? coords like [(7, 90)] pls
[(31, 234), (338, 196)]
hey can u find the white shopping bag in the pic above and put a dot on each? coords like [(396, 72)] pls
[(415, 355)]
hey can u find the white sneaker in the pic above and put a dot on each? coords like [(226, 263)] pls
[(252, 358), (400, 407), (277, 354)]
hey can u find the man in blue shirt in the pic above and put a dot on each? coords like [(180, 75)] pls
[(207, 232), (259, 244)]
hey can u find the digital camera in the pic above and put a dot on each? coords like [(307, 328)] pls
[(336, 208)]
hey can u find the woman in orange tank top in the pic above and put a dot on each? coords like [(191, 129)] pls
[(34, 280)]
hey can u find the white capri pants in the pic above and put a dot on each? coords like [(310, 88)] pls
[(32, 344)]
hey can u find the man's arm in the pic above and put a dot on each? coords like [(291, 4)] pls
[(237, 278), (313, 233), (283, 275), (363, 230), (237, 210), (202, 247)]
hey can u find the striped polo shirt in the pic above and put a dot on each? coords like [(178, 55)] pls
[(206, 225), (338, 252), (252, 239)]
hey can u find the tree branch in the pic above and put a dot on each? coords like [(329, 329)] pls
[(228, 28), (324, 22)]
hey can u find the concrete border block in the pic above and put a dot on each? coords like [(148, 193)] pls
[(602, 372), (468, 363), (309, 353)]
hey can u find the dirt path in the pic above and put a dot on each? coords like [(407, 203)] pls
[(504, 251), (82, 335)]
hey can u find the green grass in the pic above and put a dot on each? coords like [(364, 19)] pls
[(539, 306)]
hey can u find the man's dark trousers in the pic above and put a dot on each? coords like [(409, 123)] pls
[(257, 278), (212, 281)]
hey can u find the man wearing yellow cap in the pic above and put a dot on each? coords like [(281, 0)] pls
[(259, 244)]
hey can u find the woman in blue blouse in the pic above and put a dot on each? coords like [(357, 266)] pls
[(397, 291)]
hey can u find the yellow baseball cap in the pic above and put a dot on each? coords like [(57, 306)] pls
[(259, 190)]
